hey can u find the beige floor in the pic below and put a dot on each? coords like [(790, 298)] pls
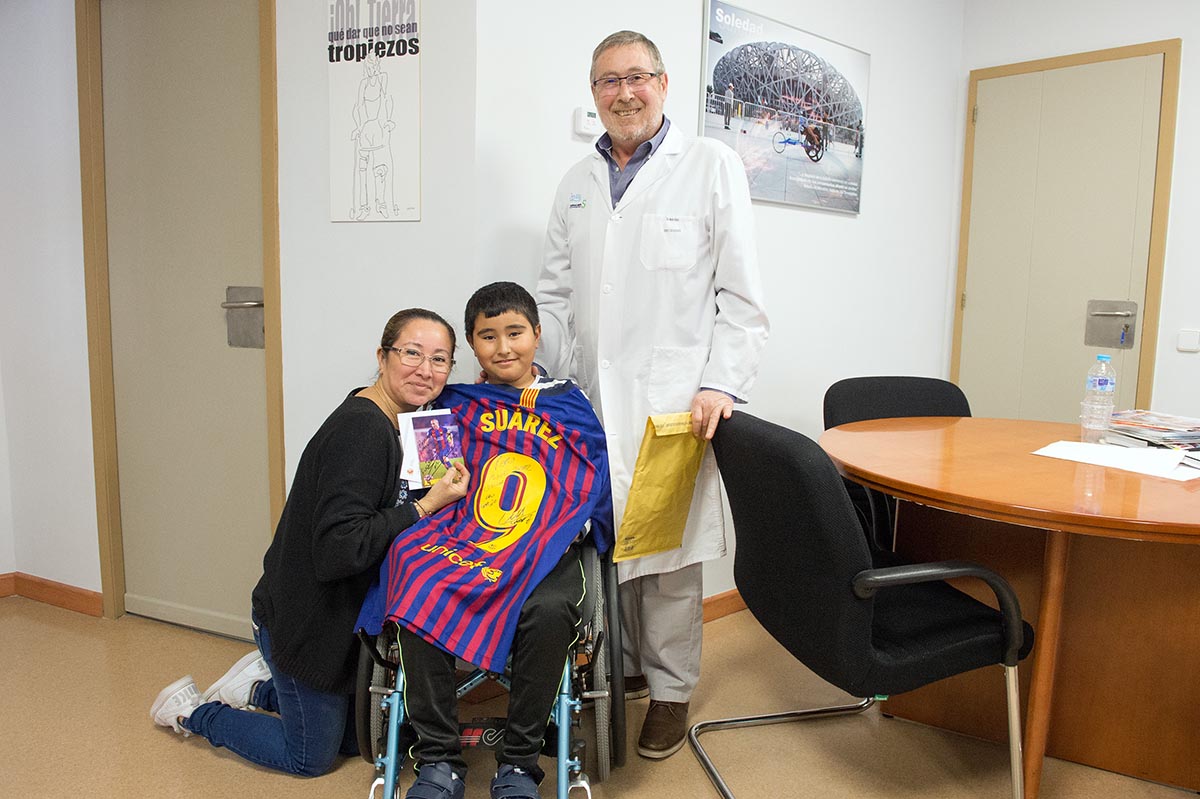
[(75, 691)]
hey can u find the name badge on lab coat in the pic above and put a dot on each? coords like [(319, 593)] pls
[(672, 242)]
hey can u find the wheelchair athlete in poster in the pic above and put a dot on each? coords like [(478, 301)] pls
[(809, 138)]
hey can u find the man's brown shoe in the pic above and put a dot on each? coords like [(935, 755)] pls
[(664, 729), (636, 687)]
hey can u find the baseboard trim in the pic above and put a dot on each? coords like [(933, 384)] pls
[(720, 605), (60, 595), (91, 603)]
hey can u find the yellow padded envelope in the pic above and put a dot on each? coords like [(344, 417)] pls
[(660, 494)]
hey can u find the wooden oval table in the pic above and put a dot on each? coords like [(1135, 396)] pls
[(1116, 663)]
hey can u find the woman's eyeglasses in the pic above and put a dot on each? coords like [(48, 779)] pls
[(438, 363)]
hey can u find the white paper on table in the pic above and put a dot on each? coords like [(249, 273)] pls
[(1153, 461)]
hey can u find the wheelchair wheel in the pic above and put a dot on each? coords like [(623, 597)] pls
[(778, 141), (369, 717), (602, 706), (815, 152), (616, 660)]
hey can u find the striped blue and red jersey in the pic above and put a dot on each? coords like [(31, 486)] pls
[(539, 472)]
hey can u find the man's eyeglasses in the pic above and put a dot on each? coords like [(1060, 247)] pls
[(606, 87), (438, 363)]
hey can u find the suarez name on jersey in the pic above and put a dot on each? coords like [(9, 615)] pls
[(459, 577)]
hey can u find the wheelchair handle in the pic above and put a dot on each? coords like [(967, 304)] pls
[(369, 642)]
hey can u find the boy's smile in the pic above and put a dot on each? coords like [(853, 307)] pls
[(505, 346)]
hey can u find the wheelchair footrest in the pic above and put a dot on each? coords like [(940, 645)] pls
[(487, 733), (580, 782)]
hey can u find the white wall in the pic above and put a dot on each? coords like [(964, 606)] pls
[(8, 555), (847, 295), (342, 281), (43, 338), (1021, 30)]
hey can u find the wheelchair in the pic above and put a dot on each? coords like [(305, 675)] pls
[(809, 138), (592, 675)]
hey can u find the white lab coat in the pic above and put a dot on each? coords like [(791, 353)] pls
[(644, 303)]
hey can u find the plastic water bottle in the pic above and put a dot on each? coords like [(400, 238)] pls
[(1098, 400)]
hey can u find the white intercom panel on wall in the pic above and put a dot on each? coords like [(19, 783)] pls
[(587, 122)]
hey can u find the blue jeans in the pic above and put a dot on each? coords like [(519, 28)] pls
[(304, 738)]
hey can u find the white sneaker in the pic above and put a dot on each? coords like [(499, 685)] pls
[(234, 687), (174, 702)]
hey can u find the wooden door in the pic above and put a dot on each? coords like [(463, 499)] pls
[(1062, 181), (184, 201)]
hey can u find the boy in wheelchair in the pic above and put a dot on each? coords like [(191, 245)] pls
[(500, 572)]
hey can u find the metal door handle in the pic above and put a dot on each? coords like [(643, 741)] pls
[(235, 305), (1111, 313)]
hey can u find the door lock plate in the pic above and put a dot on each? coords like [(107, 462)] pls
[(244, 317), (1111, 324)]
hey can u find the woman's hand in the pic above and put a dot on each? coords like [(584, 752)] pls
[(451, 488)]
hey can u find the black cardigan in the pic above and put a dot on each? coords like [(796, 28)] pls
[(340, 518)]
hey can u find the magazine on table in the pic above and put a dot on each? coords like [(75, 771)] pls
[(1156, 428), (1122, 438), (431, 441)]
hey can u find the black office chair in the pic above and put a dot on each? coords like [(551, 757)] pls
[(856, 399), (805, 572)]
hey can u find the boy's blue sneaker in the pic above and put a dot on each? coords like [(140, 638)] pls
[(436, 781), (511, 782)]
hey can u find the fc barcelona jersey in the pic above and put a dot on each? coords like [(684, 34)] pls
[(459, 577)]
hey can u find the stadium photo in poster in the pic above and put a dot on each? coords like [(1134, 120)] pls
[(790, 103), (374, 111)]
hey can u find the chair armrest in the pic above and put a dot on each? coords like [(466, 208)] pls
[(867, 582)]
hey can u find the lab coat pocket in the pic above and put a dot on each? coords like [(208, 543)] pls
[(675, 374), (671, 242)]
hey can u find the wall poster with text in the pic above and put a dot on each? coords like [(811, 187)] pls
[(792, 104), (374, 110)]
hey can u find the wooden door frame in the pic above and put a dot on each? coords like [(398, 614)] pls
[(1168, 112), (99, 312)]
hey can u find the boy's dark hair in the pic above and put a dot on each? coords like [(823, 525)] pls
[(496, 298)]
